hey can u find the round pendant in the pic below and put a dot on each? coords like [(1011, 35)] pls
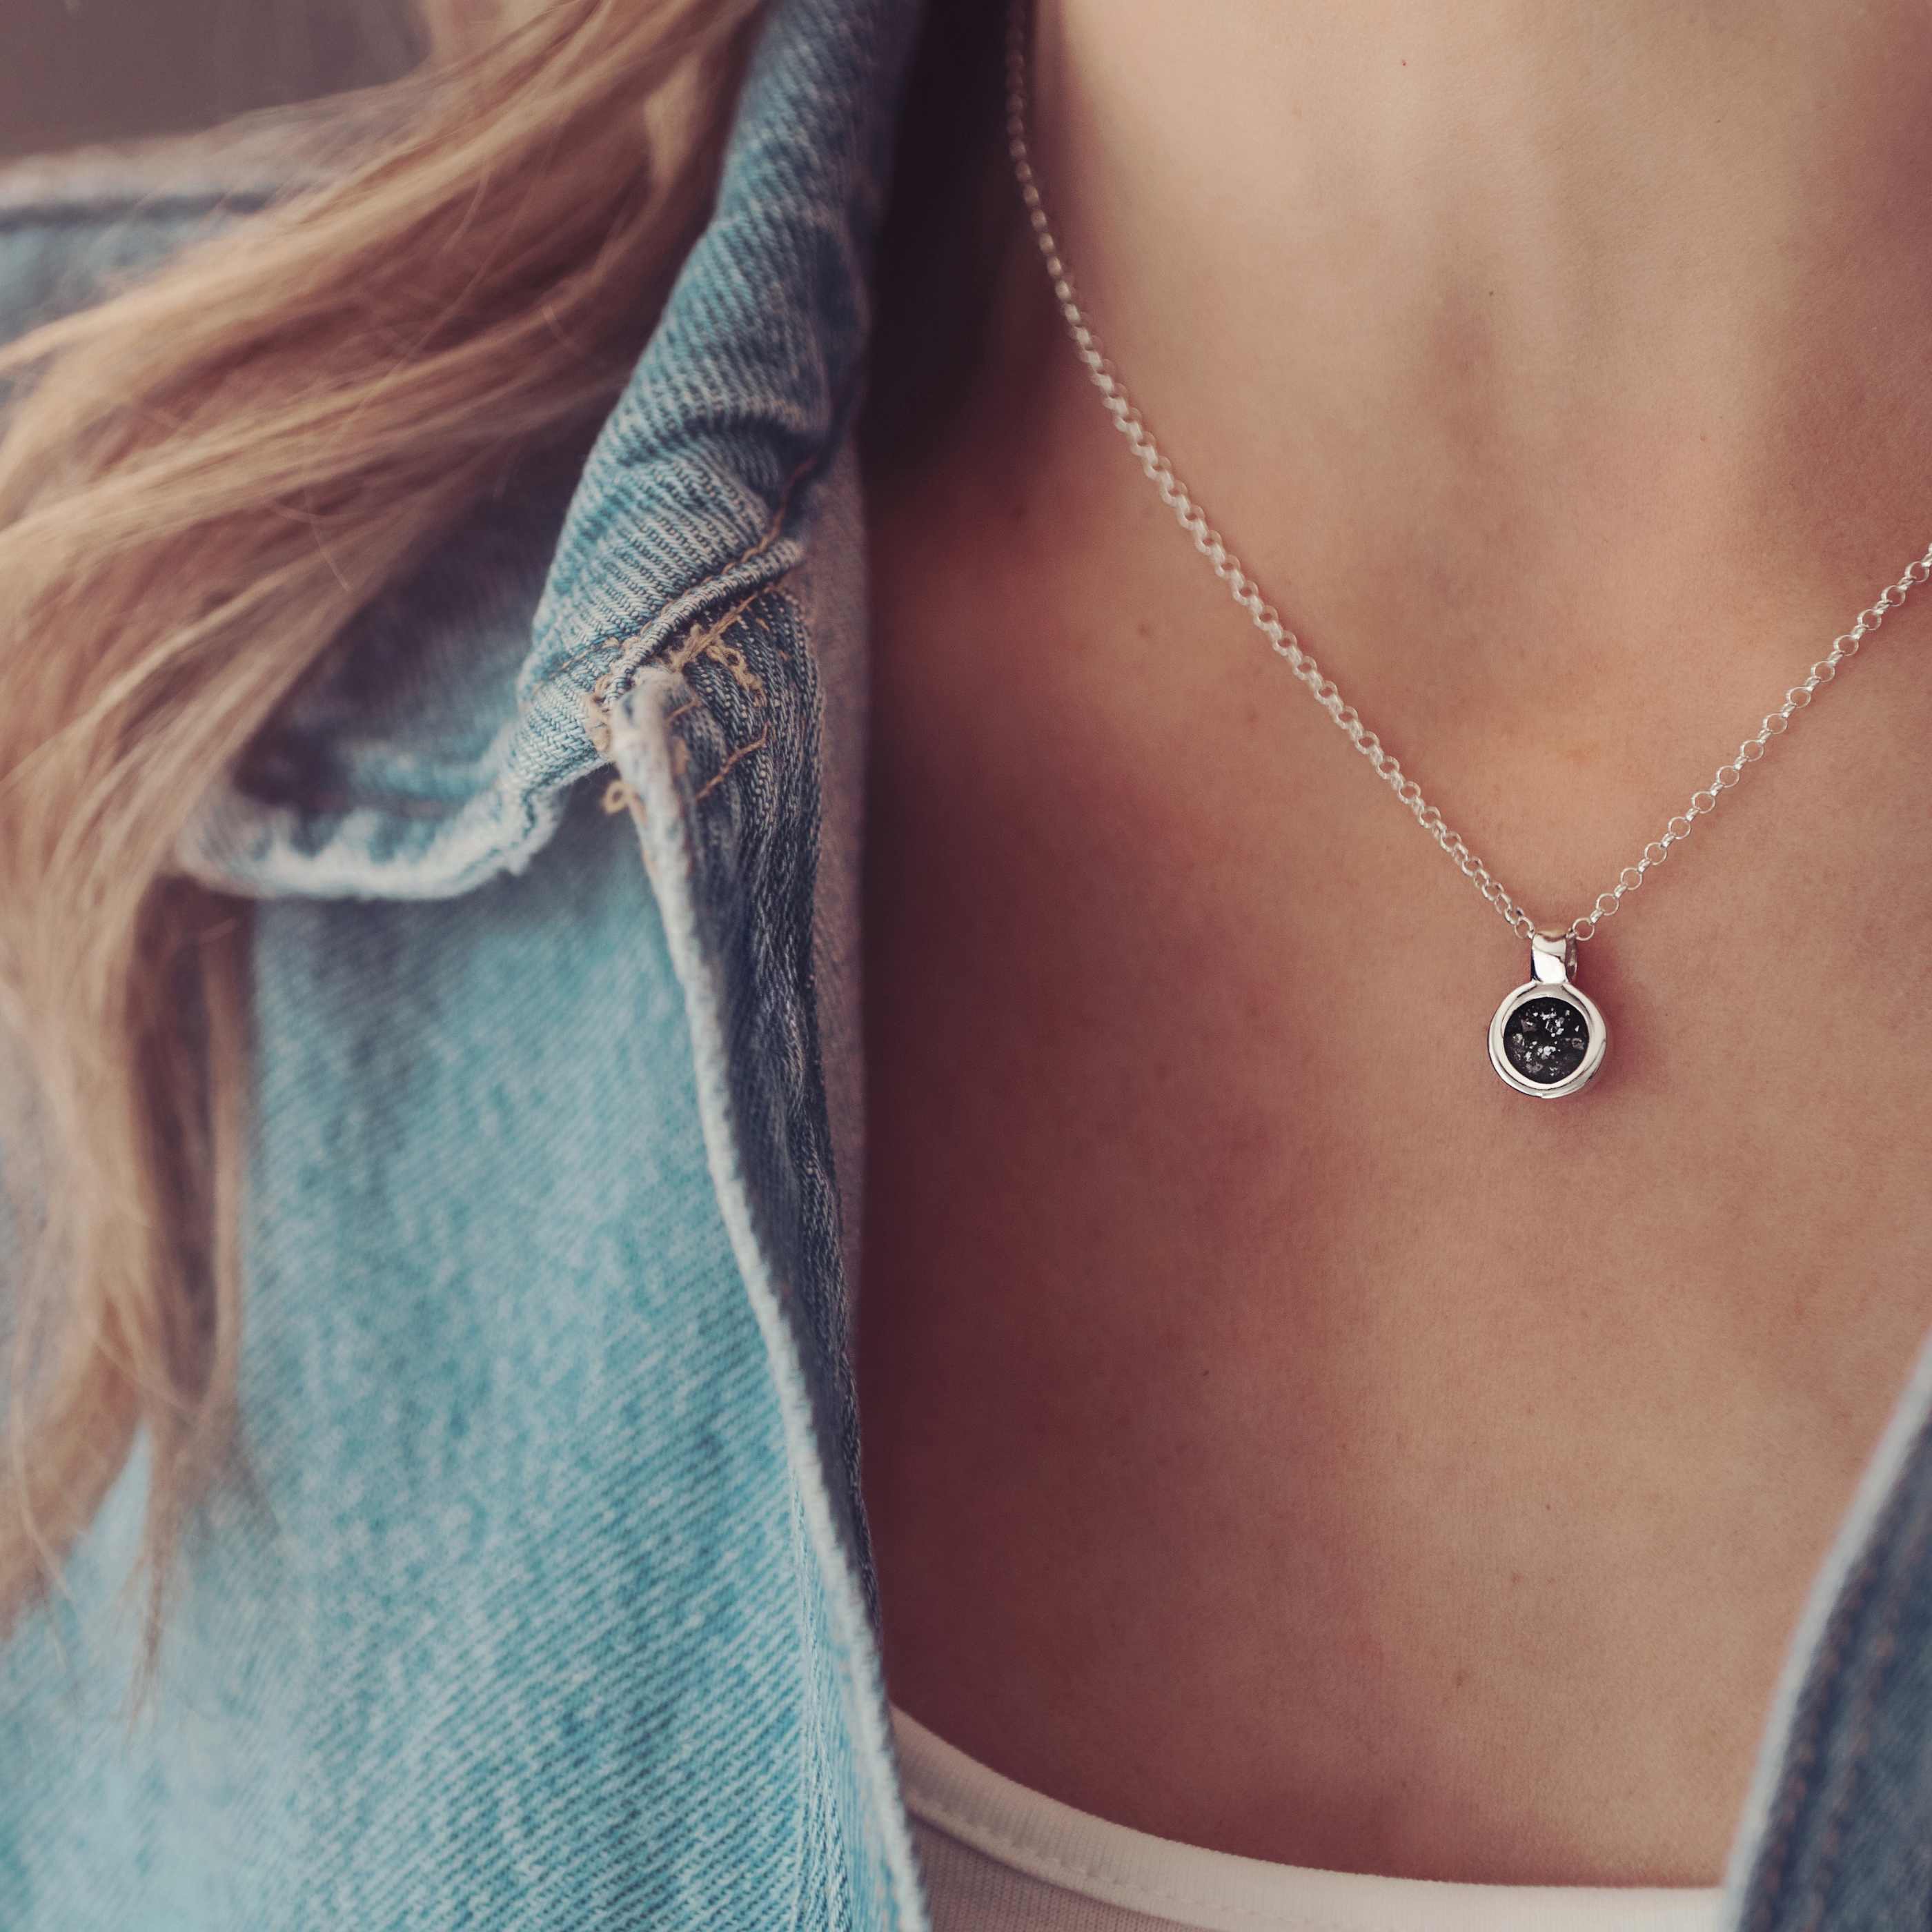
[(1547, 1039)]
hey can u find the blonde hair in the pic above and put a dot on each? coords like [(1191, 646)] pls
[(204, 479)]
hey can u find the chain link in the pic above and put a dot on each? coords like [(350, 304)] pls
[(1247, 593)]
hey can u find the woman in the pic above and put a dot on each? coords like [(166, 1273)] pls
[(1305, 1480)]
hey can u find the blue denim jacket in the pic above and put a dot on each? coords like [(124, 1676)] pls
[(545, 1601)]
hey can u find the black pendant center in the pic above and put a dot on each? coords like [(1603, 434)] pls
[(1546, 1039)]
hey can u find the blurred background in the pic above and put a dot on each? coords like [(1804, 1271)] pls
[(73, 71)]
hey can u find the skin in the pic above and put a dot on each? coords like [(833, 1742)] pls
[(1280, 1436)]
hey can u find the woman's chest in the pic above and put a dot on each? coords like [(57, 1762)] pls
[(1279, 1434), (1364, 1492)]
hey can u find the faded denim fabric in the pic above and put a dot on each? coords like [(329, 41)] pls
[(1837, 1835), (544, 1601)]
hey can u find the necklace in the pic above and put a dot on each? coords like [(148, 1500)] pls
[(1547, 1037)]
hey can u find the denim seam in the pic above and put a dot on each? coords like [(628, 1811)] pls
[(637, 649), (708, 641), (700, 636), (703, 640), (594, 703), (665, 832)]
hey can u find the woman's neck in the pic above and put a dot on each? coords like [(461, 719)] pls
[(1620, 308)]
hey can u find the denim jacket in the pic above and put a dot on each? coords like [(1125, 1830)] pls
[(545, 1598)]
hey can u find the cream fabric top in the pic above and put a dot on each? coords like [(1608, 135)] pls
[(998, 1857)]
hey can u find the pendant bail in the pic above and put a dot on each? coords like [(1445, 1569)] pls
[(1553, 957)]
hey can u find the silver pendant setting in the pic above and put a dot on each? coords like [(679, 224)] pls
[(1547, 1039)]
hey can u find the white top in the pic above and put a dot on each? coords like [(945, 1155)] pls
[(998, 1857)]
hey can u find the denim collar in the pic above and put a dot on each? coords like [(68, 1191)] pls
[(437, 752)]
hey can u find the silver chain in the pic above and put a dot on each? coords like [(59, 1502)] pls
[(1247, 593)]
